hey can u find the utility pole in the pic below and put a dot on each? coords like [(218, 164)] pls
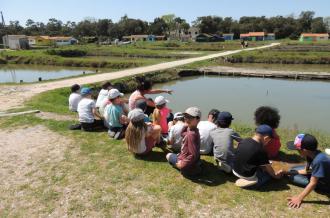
[(3, 20)]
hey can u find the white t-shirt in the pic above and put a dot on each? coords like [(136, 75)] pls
[(85, 110), (174, 134), (205, 127), (74, 99), (102, 95)]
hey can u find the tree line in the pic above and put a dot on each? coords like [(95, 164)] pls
[(283, 27)]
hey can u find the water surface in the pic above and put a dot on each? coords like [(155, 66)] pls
[(303, 104)]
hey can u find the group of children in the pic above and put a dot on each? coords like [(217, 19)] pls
[(145, 124)]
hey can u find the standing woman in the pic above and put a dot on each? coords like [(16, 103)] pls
[(140, 136), (145, 87)]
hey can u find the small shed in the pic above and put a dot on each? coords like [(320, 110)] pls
[(228, 36), (193, 32), (313, 37), (257, 36), (15, 42)]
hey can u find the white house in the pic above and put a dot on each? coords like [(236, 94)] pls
[(64, 40), (15, 42)]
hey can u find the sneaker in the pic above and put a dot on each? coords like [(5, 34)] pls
[(224, 167), (243, 183), (111, 133)]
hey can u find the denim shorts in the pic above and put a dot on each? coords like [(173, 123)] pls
[(173, 159)]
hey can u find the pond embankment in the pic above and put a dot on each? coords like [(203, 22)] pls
[(252, 72)]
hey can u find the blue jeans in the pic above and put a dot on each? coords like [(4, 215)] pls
[(263, 178), (303, 180), (173, 159)]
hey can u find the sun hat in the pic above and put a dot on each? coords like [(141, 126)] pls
[(178, 115), (193, 111), (160, 100), (85, 91), (136, 115), (114, 93), (303, 141), (265, 130)]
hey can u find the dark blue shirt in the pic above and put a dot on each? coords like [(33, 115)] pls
[(321, 168)]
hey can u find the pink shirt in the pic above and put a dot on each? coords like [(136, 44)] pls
[(163, 119), (133, 98)]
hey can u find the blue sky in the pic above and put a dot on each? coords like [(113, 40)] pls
[(74, 10)]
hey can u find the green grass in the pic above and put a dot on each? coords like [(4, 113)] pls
[(105, 179)]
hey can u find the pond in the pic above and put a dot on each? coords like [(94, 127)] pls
[(16, 74), (303, 105)]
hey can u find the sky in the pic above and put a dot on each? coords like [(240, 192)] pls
[(74, 10)]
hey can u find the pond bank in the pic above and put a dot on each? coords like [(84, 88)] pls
[(249, 72)]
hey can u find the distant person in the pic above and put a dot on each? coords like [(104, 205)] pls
[(223, 138), (144, 87), (315, 175), (103, 96), (160, 114), (141, 137), (87, 112), (115, 113), (174, 139), (188, 160), (251, 164), (246, 44), (74, 97), (271, 117), (205, 127), (242, 43)]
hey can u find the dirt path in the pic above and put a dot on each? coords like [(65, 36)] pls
[(15, 96)]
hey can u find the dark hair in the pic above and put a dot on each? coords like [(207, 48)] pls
[(214, 113), (106, 85), (224, 123), (142, 104), (143, 84), (75, 88), (267, 115)]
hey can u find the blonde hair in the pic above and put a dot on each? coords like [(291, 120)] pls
[(134, 133), (156, 116)]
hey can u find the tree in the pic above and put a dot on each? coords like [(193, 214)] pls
[(158, 27), (54, 27), (326, 21), (169, 20), (318, 26), (305, 21)]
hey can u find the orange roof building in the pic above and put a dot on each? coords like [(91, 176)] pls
[(312, 37), (257, 36)]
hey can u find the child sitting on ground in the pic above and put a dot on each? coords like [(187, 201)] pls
[(269, 116), (160, 114), (205, 127), (174, 138), (188, 160), (102, 98), (315, 175), (74, 98), (223, 138), (87, 111), (115, 115), (141, 137)]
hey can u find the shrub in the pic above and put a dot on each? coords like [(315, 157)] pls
[(67, 52)]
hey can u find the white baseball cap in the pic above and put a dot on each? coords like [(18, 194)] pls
[(136, 115), (194, 112), (160, 100), (114, 93)]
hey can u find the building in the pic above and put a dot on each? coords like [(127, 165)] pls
[(228, 36), (32, 40), (15, 42), (149, 38), (204, 37), (63, 40), (312, 37), (257, 36), (193, 32)]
